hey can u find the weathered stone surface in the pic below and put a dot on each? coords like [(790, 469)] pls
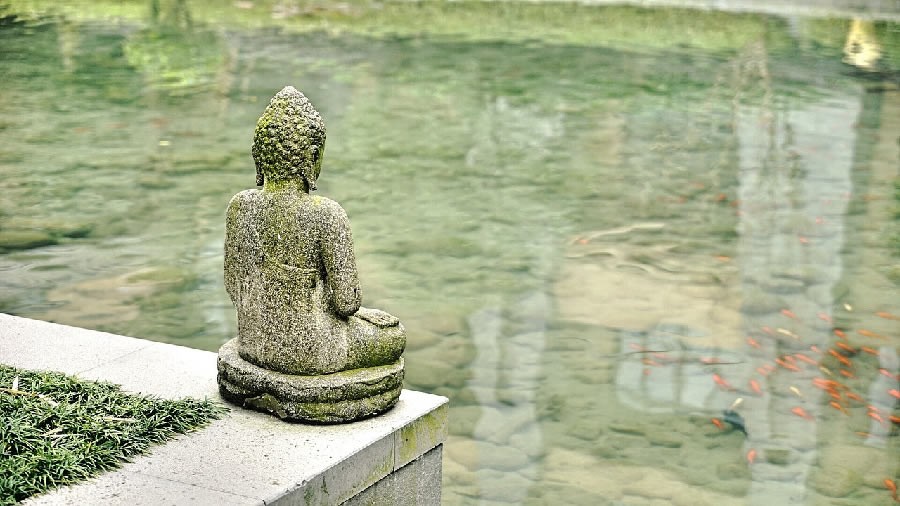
[(325, 398), (291, 273), (869, 463)]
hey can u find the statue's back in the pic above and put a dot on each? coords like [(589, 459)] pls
[(283, 298)]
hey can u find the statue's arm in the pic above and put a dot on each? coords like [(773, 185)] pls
[(340, 264), (232, 259)]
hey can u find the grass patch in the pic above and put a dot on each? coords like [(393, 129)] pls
[(58, 430)]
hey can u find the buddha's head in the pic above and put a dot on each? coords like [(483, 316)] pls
[(289, 141)]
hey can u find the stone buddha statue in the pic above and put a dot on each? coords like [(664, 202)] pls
[(305, 348)]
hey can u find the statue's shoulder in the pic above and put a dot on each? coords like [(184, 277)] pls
[(243, 197), (328, 206)]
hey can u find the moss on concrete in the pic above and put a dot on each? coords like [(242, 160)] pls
[(424, 432)]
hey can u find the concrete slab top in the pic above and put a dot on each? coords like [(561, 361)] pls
[(244, 458)]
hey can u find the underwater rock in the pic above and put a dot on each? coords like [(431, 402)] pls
[(464, 419), (17, 240), (783, 286), (777, 456), (836, 481), (807, 274), (475, 455), (756, 301), (665, 438), (629, 428), (870, 463)]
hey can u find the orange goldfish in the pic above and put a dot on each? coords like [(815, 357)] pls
[(786, 365), (892, 487), (846, 347), (888, 374), (842, 359), (874, 415), (718, 423), (838, 407), (802, 413), (788, 313), (721, 382), (804, 358), (869, 333), (754, 385), (886, 315), (751, 456), (825, 383)]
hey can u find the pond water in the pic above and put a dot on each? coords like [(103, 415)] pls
[(601, 226)]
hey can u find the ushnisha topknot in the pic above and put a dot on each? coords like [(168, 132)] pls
[(289, 140)]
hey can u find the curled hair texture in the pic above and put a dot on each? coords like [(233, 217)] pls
[(289, 139)]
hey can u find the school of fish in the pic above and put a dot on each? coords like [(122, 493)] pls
[(835, 367)]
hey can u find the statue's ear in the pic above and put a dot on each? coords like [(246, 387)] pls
[(312, 173)]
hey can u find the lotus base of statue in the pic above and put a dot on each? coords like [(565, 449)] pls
[(339, 397)]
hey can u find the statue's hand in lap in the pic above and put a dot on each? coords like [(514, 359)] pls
[(377, 317)]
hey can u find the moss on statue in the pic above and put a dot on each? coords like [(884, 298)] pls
[(291, 273)]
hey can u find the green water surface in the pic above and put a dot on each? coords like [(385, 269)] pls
[(601, 226)]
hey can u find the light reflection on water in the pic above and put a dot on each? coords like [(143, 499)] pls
[(580, 238)]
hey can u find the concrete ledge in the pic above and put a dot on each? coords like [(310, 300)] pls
[(245, 458)]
